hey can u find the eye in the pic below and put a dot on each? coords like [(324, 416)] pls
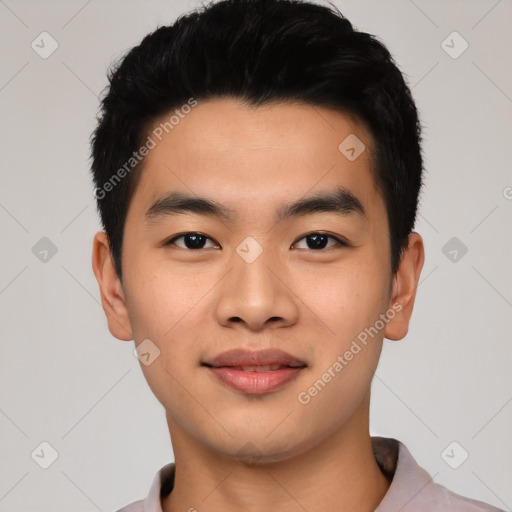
[(196, 241), (318, 241), (191, 241)]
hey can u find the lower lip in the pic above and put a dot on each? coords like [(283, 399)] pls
[(255, 383)]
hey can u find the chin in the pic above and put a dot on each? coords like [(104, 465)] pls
[(258, 449)]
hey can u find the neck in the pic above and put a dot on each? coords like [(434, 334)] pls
[(339, 473)]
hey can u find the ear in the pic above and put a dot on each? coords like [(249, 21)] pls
[(405, 284), (111, 289)]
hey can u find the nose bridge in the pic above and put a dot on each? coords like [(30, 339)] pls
[(252, 291), (253, 266)]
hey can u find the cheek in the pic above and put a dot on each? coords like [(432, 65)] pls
[(160, 301), (348, 300), (165, 308), (345, 298), (346, 357)]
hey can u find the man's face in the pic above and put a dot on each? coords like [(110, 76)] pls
[(255, 281)]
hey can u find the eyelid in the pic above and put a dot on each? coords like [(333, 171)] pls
[(170, 241), (340, 241)]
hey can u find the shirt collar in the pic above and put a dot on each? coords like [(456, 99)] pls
[(407, 478)]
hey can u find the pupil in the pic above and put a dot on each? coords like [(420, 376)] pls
[(194, 241), (319, 241)]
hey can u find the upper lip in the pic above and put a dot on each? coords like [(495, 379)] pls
[(242, 357)]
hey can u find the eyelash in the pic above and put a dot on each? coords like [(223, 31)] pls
[(339, 242)]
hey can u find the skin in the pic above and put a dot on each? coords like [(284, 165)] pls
[(196, 303)]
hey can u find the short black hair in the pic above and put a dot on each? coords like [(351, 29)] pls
[(261, 52)]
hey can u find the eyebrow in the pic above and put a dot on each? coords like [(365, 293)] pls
[(339, 200)]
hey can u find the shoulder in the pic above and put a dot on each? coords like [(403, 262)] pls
[(439, 498), (162, 485), (137, 506), (412, 489)]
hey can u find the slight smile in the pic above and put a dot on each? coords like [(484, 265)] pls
[(255, 373)]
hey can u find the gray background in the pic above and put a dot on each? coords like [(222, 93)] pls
[(66, 381)]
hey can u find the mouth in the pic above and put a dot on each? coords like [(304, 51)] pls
[(255, 373), (258, 368)]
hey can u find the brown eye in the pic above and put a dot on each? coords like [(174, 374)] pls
[(194, 241), (319, 241)]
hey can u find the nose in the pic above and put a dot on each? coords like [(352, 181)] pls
[(257, 294)]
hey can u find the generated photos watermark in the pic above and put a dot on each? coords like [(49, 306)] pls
[(151, 142), (361, 341)]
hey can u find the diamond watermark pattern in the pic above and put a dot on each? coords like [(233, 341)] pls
[(44, 455), (249, 454), (44, 45), (351, 147), (249, 249), (454, 455), (44, 250), (454, 249), (146, 352), (454, 45)]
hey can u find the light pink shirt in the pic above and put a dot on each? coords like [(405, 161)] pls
[(411, 489)]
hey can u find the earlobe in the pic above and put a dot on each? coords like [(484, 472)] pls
[(111, 290), (405, 284)]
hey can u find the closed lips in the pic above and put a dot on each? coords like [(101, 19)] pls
[(261, 368), (255, 373), (259, 361)]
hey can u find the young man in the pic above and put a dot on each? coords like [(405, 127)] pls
[(257, 169)]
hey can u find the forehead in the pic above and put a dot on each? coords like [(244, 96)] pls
[(252, 157)]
